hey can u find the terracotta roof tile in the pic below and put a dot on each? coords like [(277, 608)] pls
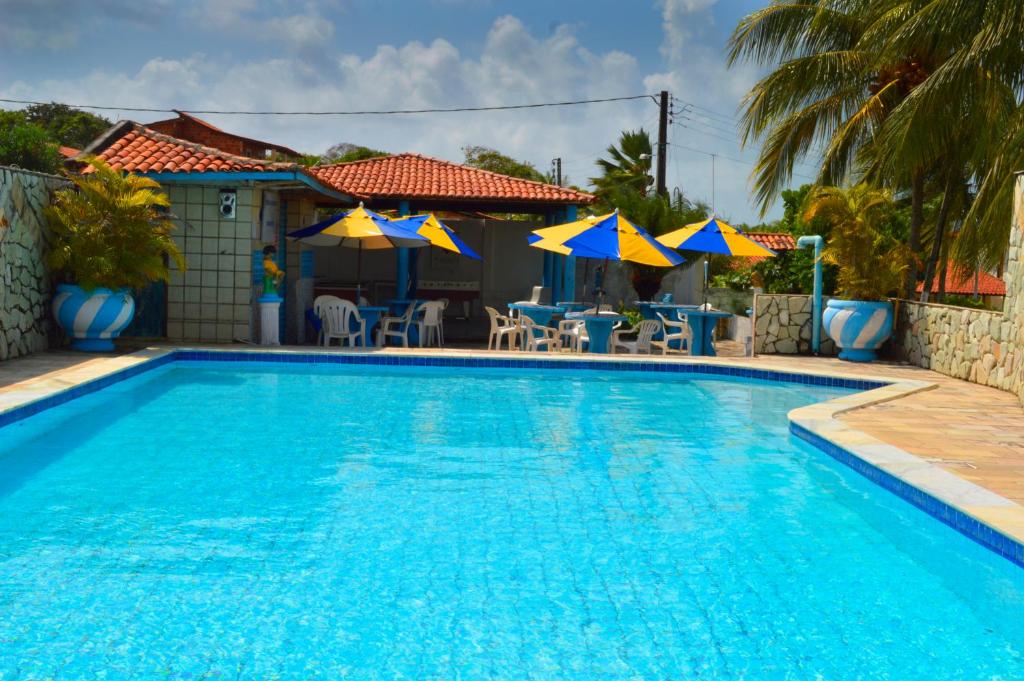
[(68, 152), (961, 283), (412, 176), (142, 150), (777, 241)]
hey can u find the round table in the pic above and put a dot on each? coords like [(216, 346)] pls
[(371, 315), (599, 328), (703, 324), (540, 314)]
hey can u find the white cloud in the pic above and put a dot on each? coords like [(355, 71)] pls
[(513, 67)]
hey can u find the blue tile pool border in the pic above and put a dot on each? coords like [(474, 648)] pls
[(240, 356), (974, 529)]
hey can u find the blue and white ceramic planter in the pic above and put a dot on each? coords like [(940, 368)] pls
[(92, 320), (858, 327)]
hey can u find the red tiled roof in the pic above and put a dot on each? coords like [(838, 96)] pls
[(412, 176), (184, 127), (777, 241), (142, 150), (69, 152), (961, 283)]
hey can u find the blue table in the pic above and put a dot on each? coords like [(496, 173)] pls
[(703, 324), (599, 328), (371, 315)]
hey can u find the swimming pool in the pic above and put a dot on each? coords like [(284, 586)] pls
[(298, 521)]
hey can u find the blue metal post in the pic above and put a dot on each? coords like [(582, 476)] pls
[(816, 241), (549, 258), (282, 262), (569, 275), (402, 260)]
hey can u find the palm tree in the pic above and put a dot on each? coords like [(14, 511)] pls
[(828, 95), (971, 103), (629, 166)]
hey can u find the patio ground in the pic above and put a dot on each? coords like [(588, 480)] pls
[(973, 431)]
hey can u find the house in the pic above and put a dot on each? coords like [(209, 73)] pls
[(188, 127), (229, 205), (959, 282)]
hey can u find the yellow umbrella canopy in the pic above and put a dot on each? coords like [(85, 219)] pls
[(610, 236), (437, 233), (714, 236)]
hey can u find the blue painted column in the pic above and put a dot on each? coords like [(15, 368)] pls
[(569, 273), (402, 260), (549, 257), (282, 262)]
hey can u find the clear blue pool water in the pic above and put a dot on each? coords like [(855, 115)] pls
[(313, 522)]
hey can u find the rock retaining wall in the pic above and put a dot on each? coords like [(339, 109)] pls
[(783, 325), (25, 320), (980, 346)]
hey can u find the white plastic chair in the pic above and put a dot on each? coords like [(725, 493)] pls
[(535, 295), (341, 320), (539, 337), (502, 326), (318, 309), (674, 331), (644, 330), (397, 327), (430, 325)]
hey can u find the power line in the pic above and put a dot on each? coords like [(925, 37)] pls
[(383, 112), (730, 158)]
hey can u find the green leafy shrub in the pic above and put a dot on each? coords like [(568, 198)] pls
[(870, 260), (111, 230)]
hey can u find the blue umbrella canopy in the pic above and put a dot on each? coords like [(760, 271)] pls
[(359, 228)]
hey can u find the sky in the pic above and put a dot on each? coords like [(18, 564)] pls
[(284, 55)]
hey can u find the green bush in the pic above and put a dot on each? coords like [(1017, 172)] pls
[(28, 146)]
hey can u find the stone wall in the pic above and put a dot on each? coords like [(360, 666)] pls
[(783, 325), (25, 321), (980, 346)]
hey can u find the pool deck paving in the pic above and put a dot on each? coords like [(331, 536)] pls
[(930, 430)]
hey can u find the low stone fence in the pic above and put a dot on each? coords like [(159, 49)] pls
[(980, 346), (783, 325), (25, 320)]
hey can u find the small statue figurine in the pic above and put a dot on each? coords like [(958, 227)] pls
[(272, 274)]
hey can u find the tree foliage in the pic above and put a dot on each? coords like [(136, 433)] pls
[(486, 158), (67, 125), (111, 230), (27, 146), (627, 168), (922, 97), (346, 152)]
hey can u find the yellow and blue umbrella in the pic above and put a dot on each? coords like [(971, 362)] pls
[(359, 228), (714, 236), (438, 233), (610, 236)]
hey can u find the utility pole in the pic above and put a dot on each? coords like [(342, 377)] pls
[(556, 165), (662, 143)]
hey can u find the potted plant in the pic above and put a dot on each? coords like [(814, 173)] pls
[(111, 233), (871, 266)]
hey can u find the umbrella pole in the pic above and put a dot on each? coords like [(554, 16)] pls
[(586, 277), (359, 272), (600, 290), (707, 267)]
